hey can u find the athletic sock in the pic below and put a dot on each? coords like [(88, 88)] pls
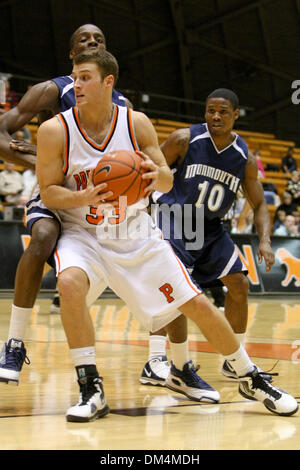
[(241, 337), (157, 346), (19, 320), (179, 354), (240, 361), (85, 356)]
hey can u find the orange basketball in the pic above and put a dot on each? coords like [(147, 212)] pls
[(122, 171)]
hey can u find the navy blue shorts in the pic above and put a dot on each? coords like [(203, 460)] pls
[(35, 210)]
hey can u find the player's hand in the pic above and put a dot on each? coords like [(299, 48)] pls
[(23, 146), (265, 251), (151, 172), (96, 195)]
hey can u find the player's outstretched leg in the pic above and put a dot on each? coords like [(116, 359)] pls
[(218, 332)]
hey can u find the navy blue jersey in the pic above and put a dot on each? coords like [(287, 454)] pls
[(67, 97), (206, 178)]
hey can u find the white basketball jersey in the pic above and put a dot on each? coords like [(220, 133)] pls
[(82, 155)]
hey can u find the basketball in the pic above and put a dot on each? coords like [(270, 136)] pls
[(122, 171)]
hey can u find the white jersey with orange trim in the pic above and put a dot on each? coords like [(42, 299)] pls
[(136, 263), (86, 154)]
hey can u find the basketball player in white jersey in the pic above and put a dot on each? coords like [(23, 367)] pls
[(143, 271)]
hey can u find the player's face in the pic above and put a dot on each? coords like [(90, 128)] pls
[(220, 116), (88, 83), (88, 37)]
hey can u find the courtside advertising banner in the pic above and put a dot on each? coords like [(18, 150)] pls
[(283, 278)]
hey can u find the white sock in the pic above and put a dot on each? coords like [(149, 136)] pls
[(179, 354), (83, 356), (240, 361), (157, 346), (19, 320), (241, 337)]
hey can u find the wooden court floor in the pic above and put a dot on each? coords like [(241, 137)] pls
[(32, 415)]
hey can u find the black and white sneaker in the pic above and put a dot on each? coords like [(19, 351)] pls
[(229, 372), (188, 382), (254, 387), (55, 306), (92, 403), (12, 358), (155, 371)]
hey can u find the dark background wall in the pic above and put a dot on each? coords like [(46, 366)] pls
[(179, 48)]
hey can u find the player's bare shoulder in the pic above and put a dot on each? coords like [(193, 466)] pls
[(144, 129), (50, 133), (181, 138)]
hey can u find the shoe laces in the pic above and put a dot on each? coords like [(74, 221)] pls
[(18, 356), (258, 382), (273, 367), (191, 377)]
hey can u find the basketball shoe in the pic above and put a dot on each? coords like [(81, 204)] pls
[(92, 403), (254, 387), (55, 306), (155, 371), (188, 382), (12, 358), (229, 372)]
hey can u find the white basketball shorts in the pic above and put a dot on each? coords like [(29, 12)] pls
[(145, 273)]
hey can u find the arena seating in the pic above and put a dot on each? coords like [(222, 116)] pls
[(271, 149)]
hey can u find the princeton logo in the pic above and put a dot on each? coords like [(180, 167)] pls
[(292, 265)]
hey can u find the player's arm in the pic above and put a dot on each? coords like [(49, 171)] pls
[(176, 146), (254, 194), (43, 96), (158, 171), (49, 170)]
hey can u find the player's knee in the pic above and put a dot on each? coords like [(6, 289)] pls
[(72, 285), (43, 240)]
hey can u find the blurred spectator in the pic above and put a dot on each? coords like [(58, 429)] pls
[(289, 228), (289, 163), (271, 195), (287, 205), (293, 187), (11, 184), (11, 98), (23, 134), (297, 220), (281, 215), (261, 170), (29, 183)]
